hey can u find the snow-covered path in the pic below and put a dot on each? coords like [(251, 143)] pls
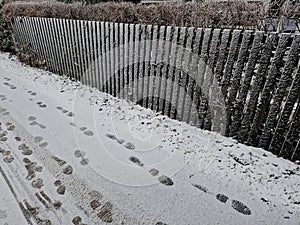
[(72, 155)]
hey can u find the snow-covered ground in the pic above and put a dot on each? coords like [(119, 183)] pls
[(70, 154)]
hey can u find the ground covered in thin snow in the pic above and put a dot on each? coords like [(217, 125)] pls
[(70, 154)]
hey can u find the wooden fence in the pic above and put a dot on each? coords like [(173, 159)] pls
[(242, 83)]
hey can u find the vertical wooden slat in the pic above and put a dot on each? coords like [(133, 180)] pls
[(126, 60), (290, 146), (67, 47), (99, 57), (86, 51), (142, 63), (177, 74), (203, 63), (62, 44), (56, 44), (121, 59), (136, 58), (165, 72), (79, 65), (281, 128), (187, 79), (117, 47), (222, 54), (258, 84), (148, 39), (236, 78), (172, 67), (131, 61), (111, 58), (74, 37), (158, 67), (284, 83), (194, 70), (211, 98), (231, 58), (154, 46), (48, 54), (264, 103), (90, 53), (241, 99), (46, 34), (39, 50), (104, 57)]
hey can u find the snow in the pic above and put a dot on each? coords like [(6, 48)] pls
[(122, 164)]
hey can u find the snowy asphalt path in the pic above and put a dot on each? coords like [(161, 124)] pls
[(72, 155)]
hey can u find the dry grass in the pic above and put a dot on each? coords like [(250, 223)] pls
[(230, 15)]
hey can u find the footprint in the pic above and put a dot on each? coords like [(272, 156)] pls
[(38, 183), (105, 213), (37, 139), (8, 159), (57, 183), (240, 207), (84, 162), (201, 188), (88, 133), (31, 118), (79, 153), (165, 180), (129, 146), (111, 136), (33, 123), (136, 161), (44, 144), (18, 139), (59, 161), (41, 104), (95, 204), (222, 198), (61, 190), (71, 114), (68, 170), (154, 172), (82, 128), (77, 220)]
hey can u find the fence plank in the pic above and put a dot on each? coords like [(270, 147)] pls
[(236, 78), (126, 61), (194, 70), (154, 44), (112, 58), (222, 54), (284, 83), (172, 59), (269, 86), (188, 78), (281, 128), (203, 64), (290, 146), (121, 59), (258, 84), (148, 38), (158, 67), (117, 47), (177, 75), (142, 64), (231, 58), (241, 99), (136, 63), (165, 71), (209, 79)]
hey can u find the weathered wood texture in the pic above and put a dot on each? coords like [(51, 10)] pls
[(244, 84)]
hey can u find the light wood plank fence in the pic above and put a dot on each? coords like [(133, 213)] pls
[(244, 84)]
